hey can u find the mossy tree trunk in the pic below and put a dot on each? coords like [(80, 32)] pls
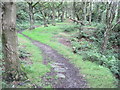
[(62, 16), (53, 15), (0, 19), (31, 15), (9, 42), (45, 18), (90, 12), (85, 11), (118, 12)]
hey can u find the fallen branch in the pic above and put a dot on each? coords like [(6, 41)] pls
[(77, 21)]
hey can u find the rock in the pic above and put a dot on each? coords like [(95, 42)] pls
[(59, 64), (59, 75), (54, 66), (59, 69)]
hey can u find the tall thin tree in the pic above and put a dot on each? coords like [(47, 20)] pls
[(110, 16), (31, 13)]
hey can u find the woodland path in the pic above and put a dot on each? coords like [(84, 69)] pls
[(67, 75)]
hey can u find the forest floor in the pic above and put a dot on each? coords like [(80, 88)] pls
[(68, 75), (55, 64)]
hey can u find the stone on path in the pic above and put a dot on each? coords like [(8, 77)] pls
[(59, 70), (59, 64), (59, 75), (54, 66)]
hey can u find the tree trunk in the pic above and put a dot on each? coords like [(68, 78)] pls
[(53, 16), (70, 10), (98, 13), (107, 27), (31, 14), (77, 16), (62, 16), (0, 19), (118, 12), (110, 15), (90, 12), (66, 12), (85, 11), (45, 19), (106, 37), (9, 42), (74, 3), (58, 14)]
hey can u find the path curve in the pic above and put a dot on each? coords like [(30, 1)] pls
[(67, 75)]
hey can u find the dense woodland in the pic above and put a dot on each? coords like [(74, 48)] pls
[(86, 33)]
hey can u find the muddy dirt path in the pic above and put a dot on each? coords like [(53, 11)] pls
[(67, 75)]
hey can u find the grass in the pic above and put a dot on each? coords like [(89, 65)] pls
[(37, 69), (96, 76)]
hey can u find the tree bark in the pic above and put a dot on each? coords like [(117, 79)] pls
[(45, 18), (78, 16), (0, 19), (58, 16), (9, 42), (110, 16), (62, 16), (106, 37), (98, 12), (66, 11), (118, 12), (70, 10), (90, 12), (53, 15), (31, 14), (74, 3), (85, 11)]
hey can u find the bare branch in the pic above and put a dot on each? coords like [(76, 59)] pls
[(35, 4), (115, 24), (77, 21)]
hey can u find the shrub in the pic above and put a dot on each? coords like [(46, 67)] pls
[(114, 37), (108, 61), (91, 52)]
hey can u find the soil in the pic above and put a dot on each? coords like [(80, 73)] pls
[(65, 41), (68, 76)]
